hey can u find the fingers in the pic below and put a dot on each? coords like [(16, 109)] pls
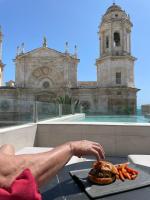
[(85, 147), (100, 151), (96, 153)]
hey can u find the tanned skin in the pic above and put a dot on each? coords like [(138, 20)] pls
[(43, 166)]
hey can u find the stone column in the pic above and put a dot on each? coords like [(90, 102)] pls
[(1, 63), (1, 40)]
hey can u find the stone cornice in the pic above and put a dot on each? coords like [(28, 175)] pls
[(67, 55), (100, 60), (107, 88), (106, 21)]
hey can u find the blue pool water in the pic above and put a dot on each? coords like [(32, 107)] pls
[(116, 118)]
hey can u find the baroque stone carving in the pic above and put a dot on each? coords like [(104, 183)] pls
[(42, 71)]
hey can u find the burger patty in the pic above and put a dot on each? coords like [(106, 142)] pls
[(101, 173)]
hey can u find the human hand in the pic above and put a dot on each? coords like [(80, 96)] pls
[(85, 147)]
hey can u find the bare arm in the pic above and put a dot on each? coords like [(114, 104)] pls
[(45, 165)]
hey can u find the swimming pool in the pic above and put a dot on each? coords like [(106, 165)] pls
[(114, 118)]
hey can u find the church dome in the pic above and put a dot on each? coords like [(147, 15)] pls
[(115, 13), (113, 8)]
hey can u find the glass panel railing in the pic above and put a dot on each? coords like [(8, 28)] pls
[(25, 110), (78, 109), (46, 110), (66, 109), (15, 112), (139, 110)]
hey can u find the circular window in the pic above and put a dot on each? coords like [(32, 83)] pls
[(46, 84), (4, 106), (85, 105)]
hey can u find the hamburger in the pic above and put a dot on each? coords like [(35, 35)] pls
[(103, 173)]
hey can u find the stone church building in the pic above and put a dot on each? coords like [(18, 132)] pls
[(43, 74)]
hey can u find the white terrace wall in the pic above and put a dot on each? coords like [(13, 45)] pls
[(19, 136), (118, 140)]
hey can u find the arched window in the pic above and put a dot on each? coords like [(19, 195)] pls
[(107, 42), (118, 77), (116, 39)]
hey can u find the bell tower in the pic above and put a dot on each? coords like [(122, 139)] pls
[(115, 66), (1, 63)]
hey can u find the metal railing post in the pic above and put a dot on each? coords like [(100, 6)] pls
[(72, 109), (60, 110), (35, 112), (81, 109)]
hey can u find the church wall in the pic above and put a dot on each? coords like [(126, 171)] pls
[(73, 73), (94, 100), (107, 100), (19, 73), (107, 68), (1, 76), (70, 71), (36, 68)]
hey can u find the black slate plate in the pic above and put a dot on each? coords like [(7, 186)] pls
[(96, 191)]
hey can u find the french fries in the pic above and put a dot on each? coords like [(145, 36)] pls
[(125, 172)]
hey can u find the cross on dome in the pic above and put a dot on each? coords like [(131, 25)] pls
[(44, 42)]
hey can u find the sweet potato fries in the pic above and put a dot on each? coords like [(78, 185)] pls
[(125, 172)]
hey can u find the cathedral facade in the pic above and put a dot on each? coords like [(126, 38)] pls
[(43, 74)]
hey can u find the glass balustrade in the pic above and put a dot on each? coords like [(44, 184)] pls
[(16, 112)]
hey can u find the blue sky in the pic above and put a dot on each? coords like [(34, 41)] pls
[(75, 21)]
